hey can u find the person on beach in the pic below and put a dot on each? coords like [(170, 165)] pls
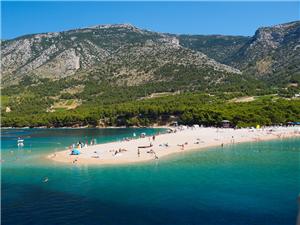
[(138, 152), (182, 146), (150, 151)]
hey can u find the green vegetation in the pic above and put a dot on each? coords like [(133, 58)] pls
[(186, 108), (218, 47), (4, 100), (45, 102)]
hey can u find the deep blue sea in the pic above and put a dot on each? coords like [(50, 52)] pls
[(248, 184)]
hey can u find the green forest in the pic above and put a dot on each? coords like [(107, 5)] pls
[(184, 108), (96, 102)]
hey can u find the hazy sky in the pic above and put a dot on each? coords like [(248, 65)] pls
[(236, 18)]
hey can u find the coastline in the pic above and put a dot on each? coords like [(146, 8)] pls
[(85, 127), (184, 140)]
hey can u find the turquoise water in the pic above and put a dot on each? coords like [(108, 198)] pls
[(254, 183)]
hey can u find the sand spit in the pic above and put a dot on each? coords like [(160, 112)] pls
[(181, 139)]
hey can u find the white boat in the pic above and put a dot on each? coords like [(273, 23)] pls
[(20, 142)]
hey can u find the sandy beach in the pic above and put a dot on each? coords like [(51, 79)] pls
[(179, 140)]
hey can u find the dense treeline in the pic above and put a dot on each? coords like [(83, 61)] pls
[(188, 108), (30, 103)]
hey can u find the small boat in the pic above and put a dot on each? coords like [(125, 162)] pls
[(20, 142)]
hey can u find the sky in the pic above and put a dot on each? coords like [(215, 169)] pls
[(228, 18)]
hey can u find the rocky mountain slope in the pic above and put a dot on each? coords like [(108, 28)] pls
[(272, 54), (120, 53), (218, 47), (124, 55)]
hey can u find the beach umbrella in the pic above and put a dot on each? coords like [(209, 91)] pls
[(75, 152)]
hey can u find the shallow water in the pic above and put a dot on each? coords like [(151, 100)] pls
[(250, 183)]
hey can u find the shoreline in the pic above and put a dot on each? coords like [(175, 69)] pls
[(86, 127), (185, 140)]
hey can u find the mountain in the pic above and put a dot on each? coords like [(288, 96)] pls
[(95, 61), (272, 54), (217, 47), (126, 55), (109, 75), (120, 54)]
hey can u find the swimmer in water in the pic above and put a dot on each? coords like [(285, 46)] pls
[(46, 180)]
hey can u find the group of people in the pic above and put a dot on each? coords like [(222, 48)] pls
[(151, 151), (142, 135), (182, 145), (80, 144)]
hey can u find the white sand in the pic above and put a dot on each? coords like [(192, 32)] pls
[(191, 138)]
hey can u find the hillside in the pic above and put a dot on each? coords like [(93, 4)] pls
[(125, 55), (271, 55), (217, 47), (85, 76), (120, 53)]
